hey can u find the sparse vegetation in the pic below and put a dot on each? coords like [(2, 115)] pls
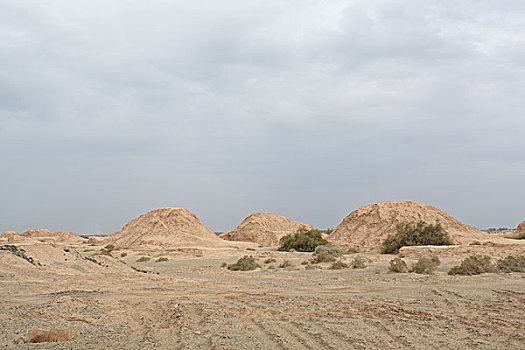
[(124, 254), (143, 259), (270, 260), (337, 265), (51, 335), (224, 264), (352, 251), (246, 263), (410, 234), (398, 265), (285, 263), (474, 265), (302, 241), (250, 249), (110, 247), (313, 267), (426, 266), (161, 259), (305, 262), (512, 264), (475, 243), (105, 252), (358, 263), (329, 231)]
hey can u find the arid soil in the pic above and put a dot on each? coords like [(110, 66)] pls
[(191, 302)]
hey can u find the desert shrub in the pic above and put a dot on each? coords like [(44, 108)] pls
[(285, 263), (337, 252), (473, 265), (337, 265), (105, 252), (246, 263), (305, 262), (123, 254), (269, 261), (410, 234), (51, 335), (161, 259), (224, 264), (251, 249), (398, 265), (329, 231), (271, 267), (512, 264), (426, 266), (358, 263), (302, 241), (143, 258), (475, 243), (110, 247), (313, 267)]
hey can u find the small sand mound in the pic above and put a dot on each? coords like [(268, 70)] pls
[(165, 228), (366, 228), (264, 228), (47, 236)]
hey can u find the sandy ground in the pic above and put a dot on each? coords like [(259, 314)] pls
[(194, 303)]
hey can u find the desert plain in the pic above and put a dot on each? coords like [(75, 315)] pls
[(165, 296)]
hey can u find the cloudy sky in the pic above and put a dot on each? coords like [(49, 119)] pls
[(310, 109)]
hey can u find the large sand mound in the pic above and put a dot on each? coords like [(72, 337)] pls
[(165, 228), (366, 228), (264, 228)]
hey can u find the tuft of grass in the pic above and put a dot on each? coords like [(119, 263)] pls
[(246, 263), (285, 263), (358, 263), (398, 265), (161, 259), (269, 261), (143, 258), (512, 264), (410, 234), (426, 266), (302, 241), (474, 265), (337, 265), (51, 335)]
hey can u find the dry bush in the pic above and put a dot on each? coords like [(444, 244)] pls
[(474, 265), (123, 254), (143, 258), (105, 252), (313, 267), (246, 263), (51, 335), (269, 261), (162, 259), (339, 265), (285, 263), (358, 263), (322, 257), (305, 262), (398, 265), (426, 266), (512, 264)]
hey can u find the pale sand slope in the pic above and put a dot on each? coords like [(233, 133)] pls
[(195, 304), (165, 228), (265, 229), (366, 228), (41, 235)]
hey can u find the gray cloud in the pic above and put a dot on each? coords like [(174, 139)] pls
[(309, 109)]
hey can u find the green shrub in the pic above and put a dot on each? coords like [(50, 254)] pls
[(398, 265), (302, 241), (512, 264), (246, 263), (358, 263), (473, 265), (143, 258), (410, 234), (426, 266), (326, 254), (269, 261)]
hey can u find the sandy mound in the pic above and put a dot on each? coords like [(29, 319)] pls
[(521, 227), (165, 228), (47, 236), (264, 228), (366, 228)]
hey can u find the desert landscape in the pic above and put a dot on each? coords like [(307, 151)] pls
[(165, 281)]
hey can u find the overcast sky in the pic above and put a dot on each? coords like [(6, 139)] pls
[(310, 109)]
